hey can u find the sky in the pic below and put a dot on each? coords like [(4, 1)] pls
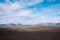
[(29, 11)]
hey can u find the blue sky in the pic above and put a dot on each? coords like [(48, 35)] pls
[(29, 11)]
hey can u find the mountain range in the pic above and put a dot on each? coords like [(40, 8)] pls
[(45, 24)]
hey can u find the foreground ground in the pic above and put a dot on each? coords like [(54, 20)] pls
[(30, 34)]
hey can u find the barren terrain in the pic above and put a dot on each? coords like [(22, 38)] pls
[(29, 33)]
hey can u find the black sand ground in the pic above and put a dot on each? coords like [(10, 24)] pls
[(6, 34)]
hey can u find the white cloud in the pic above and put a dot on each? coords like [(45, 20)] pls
[(42, 16), (26, 13), (15, 6), (30, 2), (44, 20), (26, 2), (51, 0), (47, 15)]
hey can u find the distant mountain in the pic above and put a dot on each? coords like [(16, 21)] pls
[(57, 24), (52, 24), (48, 24), (19, 24), (45, 24), (11, 24), (3, 24)]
